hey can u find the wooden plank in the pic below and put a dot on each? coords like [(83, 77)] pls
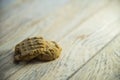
[(30, 13), (30, 8), (104, 66), (25, 21), (41, 28), (26, 28), (98, 33)]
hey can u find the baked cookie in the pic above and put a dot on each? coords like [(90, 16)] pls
[(52, 52), (38, 48)]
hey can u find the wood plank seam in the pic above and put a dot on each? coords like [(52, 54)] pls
[(104, 66), (93, 56)]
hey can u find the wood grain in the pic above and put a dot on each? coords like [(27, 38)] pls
[(104, 66), (82, 28)]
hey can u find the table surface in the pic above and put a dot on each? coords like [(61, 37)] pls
[(87, 30)]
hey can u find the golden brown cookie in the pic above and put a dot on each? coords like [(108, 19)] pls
[(51, 52), (38, 48)]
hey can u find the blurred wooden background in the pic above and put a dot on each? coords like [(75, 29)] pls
[(87, 30)]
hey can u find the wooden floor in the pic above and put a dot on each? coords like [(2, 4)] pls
[(87, 30)]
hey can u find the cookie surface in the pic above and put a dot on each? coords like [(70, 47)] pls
[(38, 48), (52, 52)]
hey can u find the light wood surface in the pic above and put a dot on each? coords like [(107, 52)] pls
[(104, 66), (86, 30)]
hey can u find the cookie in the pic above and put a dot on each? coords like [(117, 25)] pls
[(51, 52), (29, 48), (38, 48)]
